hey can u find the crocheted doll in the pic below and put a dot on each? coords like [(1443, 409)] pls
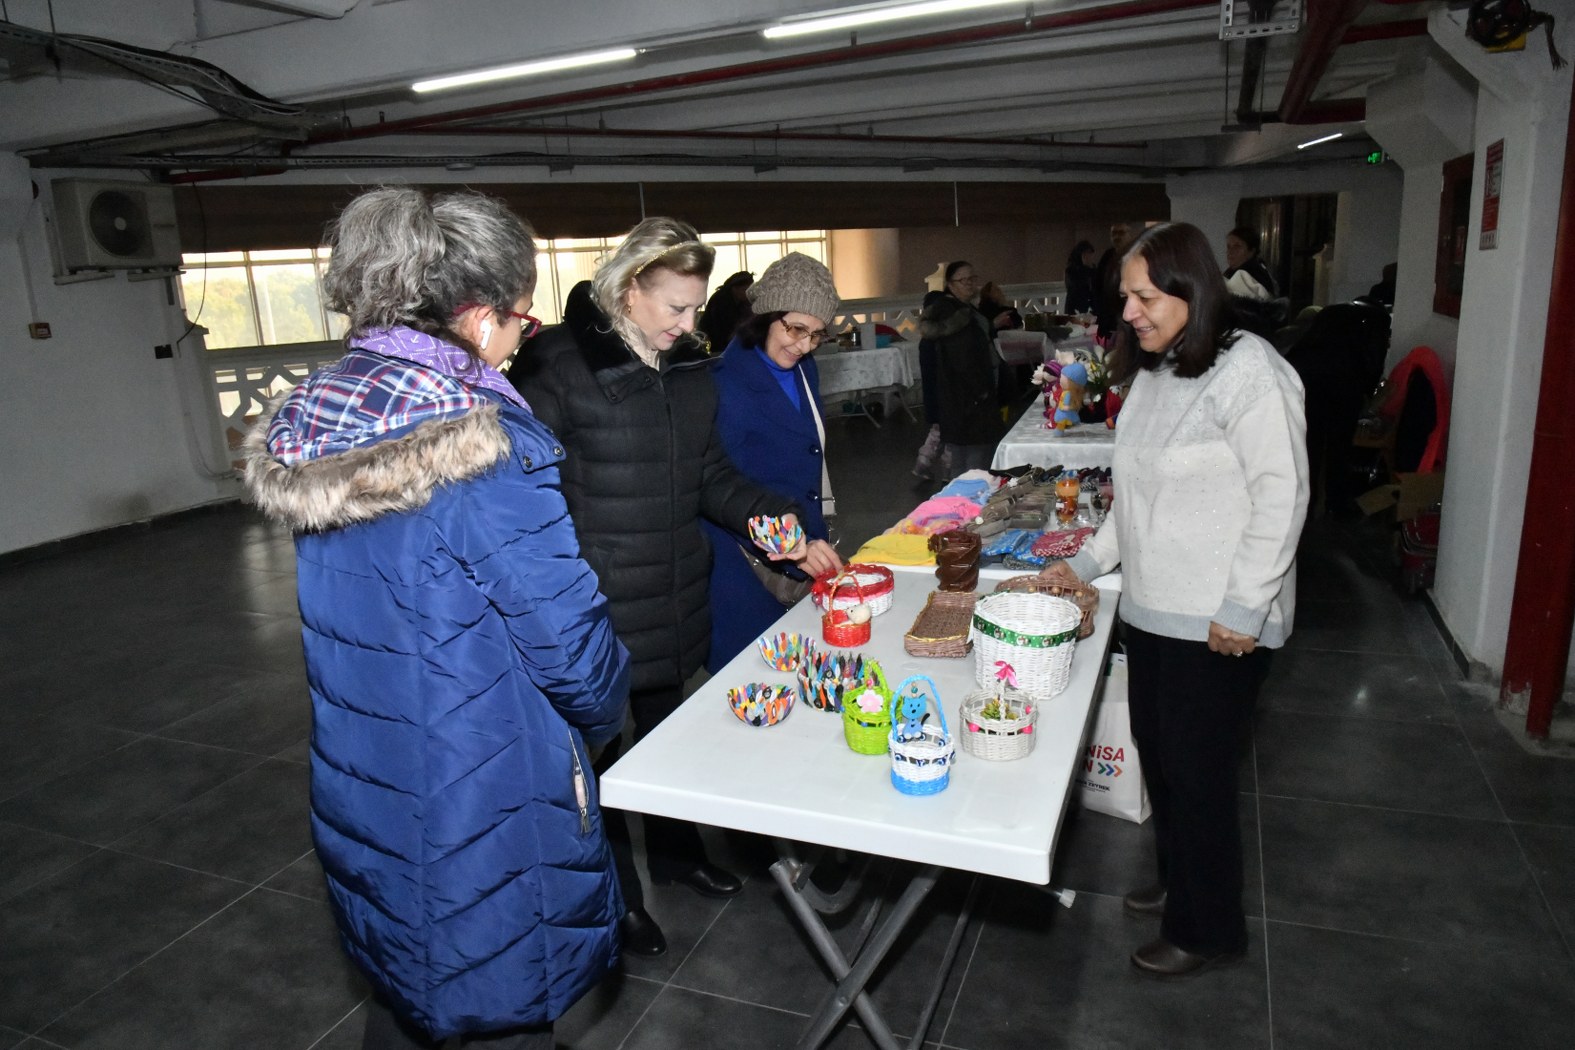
[(1074, 377)]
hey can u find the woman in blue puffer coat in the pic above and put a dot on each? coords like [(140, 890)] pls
[(460, 656)]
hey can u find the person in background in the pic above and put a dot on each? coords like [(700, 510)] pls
[(628, 392), (931, 456), (770, 421), (1082, 279), (1245, 273), (727, 308), (1107, 307), (970, 418), (1383, 293), (1211, 431), (461, 660)]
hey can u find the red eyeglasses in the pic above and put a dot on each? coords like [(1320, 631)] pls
[(529, 325)]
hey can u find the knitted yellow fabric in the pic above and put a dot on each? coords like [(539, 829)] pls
[(897, 549)]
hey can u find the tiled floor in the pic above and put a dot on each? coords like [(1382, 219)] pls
[(1411, 872)]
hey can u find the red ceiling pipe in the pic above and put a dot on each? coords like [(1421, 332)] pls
[(755, 136), (1396, 30), (1326, 26), (1543, 612), (787, 63)]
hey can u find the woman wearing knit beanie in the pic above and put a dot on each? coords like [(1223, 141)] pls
[(769, 418)]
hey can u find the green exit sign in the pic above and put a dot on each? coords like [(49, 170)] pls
[(1377, 156)]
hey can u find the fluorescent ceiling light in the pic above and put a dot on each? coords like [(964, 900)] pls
[(1326, 138), (525, 69), (873, 15)]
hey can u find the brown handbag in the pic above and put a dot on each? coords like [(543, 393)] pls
[(778, 584)]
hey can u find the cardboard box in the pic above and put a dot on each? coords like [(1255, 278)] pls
[(1409, 495)]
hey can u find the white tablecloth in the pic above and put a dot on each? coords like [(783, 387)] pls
[(799, 780), (1030, 442), (875, 368)]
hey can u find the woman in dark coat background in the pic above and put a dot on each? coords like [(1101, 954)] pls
[(970, 416), (461, 660), (629, 393), (772, 426), (1082, 280)]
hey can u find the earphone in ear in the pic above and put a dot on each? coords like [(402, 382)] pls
[(486, 333)]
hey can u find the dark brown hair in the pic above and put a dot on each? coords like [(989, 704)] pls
[(752, 333), (1180, 263)]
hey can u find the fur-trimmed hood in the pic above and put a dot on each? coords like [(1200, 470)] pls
[(355, 467)]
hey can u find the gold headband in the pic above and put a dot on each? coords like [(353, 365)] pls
[(664, 253)]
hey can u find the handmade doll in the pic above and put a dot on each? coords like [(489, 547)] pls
[(1074, 377)]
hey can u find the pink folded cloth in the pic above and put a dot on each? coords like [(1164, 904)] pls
[(1060, 545), (942, 509)]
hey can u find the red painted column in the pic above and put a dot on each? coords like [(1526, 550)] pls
[(1543, 612)]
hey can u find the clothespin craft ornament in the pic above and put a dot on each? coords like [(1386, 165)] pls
[(761, 704), (773, 537)]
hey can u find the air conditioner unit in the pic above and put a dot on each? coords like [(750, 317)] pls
[(106, 225)]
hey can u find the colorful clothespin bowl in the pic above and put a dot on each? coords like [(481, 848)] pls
[(773, 537), (785, 650), (760, 704)]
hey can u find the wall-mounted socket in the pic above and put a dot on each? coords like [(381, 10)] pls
[(163, 350), (39, 330)]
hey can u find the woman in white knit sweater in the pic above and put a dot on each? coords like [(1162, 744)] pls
[(1210, 478)]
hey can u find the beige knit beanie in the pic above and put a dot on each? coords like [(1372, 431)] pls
[(795, 283)]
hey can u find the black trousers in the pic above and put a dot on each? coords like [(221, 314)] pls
[(672, 847), (1191, 711), (385, 1031)]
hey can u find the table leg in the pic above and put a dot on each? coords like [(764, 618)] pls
[(852, 978)]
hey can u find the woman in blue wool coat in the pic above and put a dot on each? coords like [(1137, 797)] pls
[(769, 419), (460, 656)]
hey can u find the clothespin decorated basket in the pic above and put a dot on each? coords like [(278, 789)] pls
[(921, 753), (845, 624), (866, 713), (998, 723), (826, 681)]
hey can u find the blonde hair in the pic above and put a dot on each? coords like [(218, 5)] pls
[(655, 244)]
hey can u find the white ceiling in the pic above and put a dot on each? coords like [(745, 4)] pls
[(1144, 89)]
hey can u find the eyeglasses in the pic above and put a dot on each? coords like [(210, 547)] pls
[(797, 333), (529, 325)]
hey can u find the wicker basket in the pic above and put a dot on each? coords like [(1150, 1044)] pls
[(1034, 633), (825, 679), (986, 734), (877, 583), (1086, 598), (921, 754), (941, 628), (866, 731), (837, 621)]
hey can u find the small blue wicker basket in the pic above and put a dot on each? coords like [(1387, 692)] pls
[(921, 752)]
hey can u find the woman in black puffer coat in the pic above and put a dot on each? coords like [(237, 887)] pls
[(970, 415), (630, 395)]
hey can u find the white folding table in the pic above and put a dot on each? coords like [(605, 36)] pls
[(798, 782)]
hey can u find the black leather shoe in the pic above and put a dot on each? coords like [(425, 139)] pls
[(1164, 960), (641, 935), (1149, 901), (708, 880)]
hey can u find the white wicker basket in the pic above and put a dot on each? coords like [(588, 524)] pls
[(1034, 633)]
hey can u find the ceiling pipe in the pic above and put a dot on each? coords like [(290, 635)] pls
[(1327, 24), (786, 64), (574, 131), (314, 8)]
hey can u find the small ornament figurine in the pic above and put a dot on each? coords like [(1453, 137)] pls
[(1074, 377), (911, 709)]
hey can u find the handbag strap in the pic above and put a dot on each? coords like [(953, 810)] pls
[(828, 502)]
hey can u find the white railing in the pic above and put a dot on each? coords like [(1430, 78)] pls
[(902, 312)]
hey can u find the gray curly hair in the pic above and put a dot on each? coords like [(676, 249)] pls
[(657, 243), (400, 258)]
